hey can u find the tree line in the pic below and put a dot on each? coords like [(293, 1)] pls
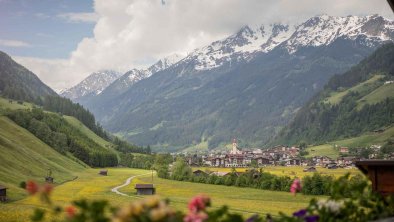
[(55, 131), (315, 184)]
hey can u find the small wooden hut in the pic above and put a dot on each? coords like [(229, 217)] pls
[(49, 178), (199, 173), (3, 193), (145, 189), (103, 172), (381, 174), (310, 169)]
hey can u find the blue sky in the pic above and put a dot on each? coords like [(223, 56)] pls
[(43, 28)]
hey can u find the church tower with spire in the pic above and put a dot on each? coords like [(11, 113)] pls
[(235, 149)]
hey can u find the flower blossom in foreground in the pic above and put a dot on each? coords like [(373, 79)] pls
[(331, 205), (198, 203), (197, 207), (195, 217), (295, 186), (32, 187), (70, 211)]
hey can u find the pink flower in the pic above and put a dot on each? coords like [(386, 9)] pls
[(198, 203), (32, 187), (195, 217), (295, 186)]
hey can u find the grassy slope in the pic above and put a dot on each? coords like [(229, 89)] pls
[(336, 97), (6, 104), (379, 94), (83, 129), (23, 157), (364, 140)]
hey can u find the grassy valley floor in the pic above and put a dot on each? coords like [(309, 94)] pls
[(93, 186)]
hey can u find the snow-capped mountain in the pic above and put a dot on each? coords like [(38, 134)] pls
[(323, 30), (249, 84), (92, 85), (317, 31), (135, 75), (240, 46)]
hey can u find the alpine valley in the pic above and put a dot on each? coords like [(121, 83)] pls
[(246, 86)]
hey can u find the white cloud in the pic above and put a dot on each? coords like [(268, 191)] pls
[(13, 43), (79, 17), (128, 33), (49, 70)]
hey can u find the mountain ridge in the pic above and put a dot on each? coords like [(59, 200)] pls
[(358, 101), (193, 101)]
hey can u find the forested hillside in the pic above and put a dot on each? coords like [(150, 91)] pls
[(43, 117), (358, 101), (55, 131)]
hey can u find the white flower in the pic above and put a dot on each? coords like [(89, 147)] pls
[(331, 205)]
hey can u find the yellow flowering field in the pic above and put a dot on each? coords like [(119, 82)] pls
[(288, 170), (246, 201)]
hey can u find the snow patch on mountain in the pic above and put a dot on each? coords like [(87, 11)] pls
[(317, 31), (94, 84), (323, 30), (240, 46), (133, 76)]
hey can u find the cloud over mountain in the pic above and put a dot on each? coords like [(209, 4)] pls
[(134, 34)]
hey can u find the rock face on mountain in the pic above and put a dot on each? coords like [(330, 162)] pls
[(92, 85), (248, 85)]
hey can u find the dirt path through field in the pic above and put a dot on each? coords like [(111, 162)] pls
[(128, 181)]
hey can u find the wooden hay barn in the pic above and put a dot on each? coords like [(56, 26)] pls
[(381, 174), (145, 189), (310, 169), (199, 173), (49, 179), (3, 193), (103, 172)]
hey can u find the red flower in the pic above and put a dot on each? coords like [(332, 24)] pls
[(295, 186), (70, 211), (47, 188), (32, 187)]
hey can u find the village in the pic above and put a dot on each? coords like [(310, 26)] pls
[(279, 156)]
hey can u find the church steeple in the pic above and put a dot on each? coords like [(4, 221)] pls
[(235, 149)]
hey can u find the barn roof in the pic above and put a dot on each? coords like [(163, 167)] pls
[(144, 186), (3, 187)]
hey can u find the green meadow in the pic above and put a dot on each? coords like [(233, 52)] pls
[(93, 186)]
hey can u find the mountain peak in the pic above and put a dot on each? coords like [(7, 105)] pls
[(164, 63), (324, 29), (94, 84), (319, 30)]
